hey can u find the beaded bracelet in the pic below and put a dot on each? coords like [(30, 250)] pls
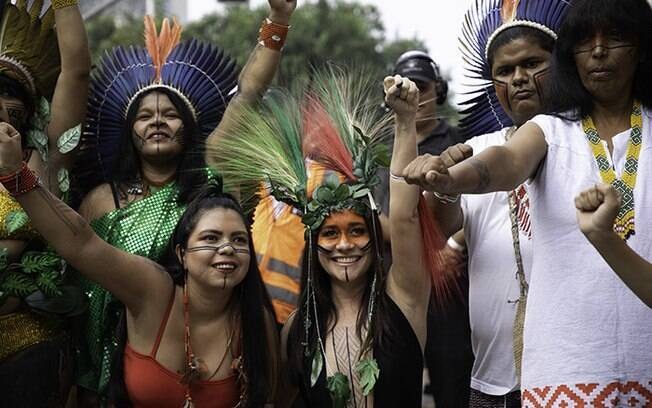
[(272, 35), (59, 4), (20, 182), (446, 199)]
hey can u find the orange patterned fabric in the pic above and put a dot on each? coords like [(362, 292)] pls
[(590, 395)]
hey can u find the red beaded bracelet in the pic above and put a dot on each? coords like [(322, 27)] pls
[(20, 182), (272, 35)]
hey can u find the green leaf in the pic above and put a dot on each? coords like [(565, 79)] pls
[(368, 373), (383, 157), (37, 138), (39, 262), (18, 284), (338, 387), (3, 259), (15, 221), (342, 192), (63, 179), (361, 193), (69, 140), (323, 194), (317, 365), (48, 283)]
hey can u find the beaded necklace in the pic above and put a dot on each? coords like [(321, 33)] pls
[(624, 223)]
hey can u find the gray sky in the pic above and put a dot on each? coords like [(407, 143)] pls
[(437, 22)]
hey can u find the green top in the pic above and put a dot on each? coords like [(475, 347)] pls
[(144, 228)]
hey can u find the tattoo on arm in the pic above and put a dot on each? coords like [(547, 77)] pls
[(65, 214), (484, 179)]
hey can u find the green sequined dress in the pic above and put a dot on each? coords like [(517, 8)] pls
[(144, 228)]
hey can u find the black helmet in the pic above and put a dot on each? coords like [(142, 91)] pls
[(417, 65)]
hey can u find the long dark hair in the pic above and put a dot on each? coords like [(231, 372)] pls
[(191, 173), (299, 365), (254, 312), (568, 97)]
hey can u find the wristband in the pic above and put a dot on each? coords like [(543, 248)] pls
[(446, 199), (20, 182), (455, 245), (394, 177), (59, 4), (272, 35)]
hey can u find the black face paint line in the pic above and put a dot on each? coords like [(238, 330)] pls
[(224, 284), (157, 121), (218, 248), (346, 273), (501, 89), (324, 250), (539, 78)]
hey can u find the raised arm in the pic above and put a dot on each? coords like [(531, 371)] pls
[(597, 208), (71, 92), (132, 279), (408, 282), (498, 168), (258, 72)]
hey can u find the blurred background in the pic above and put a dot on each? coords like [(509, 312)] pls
[(372, 33)]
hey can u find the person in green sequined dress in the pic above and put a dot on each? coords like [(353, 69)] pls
[(155, 171)]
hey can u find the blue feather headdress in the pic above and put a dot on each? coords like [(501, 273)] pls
[(199, 73), (483, 22)]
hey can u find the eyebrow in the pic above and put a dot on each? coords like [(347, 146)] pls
[(218, 232)]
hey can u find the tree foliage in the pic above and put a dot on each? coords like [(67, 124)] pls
[(324, 31)]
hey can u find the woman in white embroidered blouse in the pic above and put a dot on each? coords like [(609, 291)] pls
[(586, 334)]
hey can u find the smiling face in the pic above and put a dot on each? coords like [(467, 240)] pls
[(218, 252), (344, 247), (158, 130), (606, 63), (517, 70)]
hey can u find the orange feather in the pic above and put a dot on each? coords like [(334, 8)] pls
[(151, 43), (508, 11), (160, 46)]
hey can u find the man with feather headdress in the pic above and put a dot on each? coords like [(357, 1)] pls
[(507, 46)]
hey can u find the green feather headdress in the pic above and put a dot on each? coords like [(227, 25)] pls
[(333, 121), (29, 52)]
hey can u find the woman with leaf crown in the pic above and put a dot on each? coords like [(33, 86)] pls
[(44, 69), (152, 109), (357, 337)]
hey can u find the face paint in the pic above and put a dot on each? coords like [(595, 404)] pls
[(158, 128), (236, 248), (342, 229), (14, 109), (346, 273)]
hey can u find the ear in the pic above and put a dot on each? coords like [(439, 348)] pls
[(181, 255)]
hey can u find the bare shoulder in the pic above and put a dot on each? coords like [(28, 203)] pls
[(98, 202)]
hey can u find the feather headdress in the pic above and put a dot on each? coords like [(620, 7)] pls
[(482, 24), (29, 52), (199, 73), (337, 123)]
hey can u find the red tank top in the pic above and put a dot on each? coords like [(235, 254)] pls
[(149, 384)]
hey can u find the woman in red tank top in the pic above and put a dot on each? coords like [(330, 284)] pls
[(201, 331)]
